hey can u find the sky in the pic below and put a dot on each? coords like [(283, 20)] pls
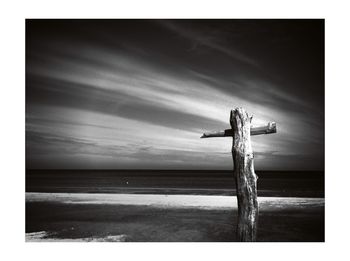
[(138, 94)]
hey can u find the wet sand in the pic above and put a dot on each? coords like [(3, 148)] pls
[(159, 218)]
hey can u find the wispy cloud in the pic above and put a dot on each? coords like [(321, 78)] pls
[(88, 101), (209, 39)]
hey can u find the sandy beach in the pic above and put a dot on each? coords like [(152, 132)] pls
[(89, 217), (175, 201)]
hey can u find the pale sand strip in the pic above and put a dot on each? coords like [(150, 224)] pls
[(43, 236), (156, 200)]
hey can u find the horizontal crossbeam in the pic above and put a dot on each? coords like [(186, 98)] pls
[(258, 130)]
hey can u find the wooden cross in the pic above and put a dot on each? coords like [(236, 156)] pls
[(246, 179)]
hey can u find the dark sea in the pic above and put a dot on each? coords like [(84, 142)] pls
[(193, 182)]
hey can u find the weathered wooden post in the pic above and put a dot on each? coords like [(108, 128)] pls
[(245, 176), (243, 163)]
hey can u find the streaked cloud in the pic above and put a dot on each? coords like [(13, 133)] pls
[(92, 105), (209, 39)]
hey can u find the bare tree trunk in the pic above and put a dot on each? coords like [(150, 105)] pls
[(246, 179)]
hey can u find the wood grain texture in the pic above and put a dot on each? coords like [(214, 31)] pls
[(254, 130), (246, 179)]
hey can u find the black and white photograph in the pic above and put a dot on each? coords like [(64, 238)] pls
[(175, 130)]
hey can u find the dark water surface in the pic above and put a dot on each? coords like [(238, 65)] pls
[(201, 182)]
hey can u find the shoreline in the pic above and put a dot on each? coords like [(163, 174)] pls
[(170, 201)]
